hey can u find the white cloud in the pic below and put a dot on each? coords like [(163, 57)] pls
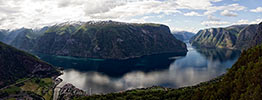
[(38, 13), (188, 29), (245, 21), (228, 13), (194, 4), (192, 13), (231, 7), (242, 21), (213, 18), (257, 10), (214, 23)]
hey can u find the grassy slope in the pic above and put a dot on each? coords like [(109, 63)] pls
[(43, 87), (241, 82), (16, 64), (23, 75)]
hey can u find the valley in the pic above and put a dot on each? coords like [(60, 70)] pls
[(145, 73)]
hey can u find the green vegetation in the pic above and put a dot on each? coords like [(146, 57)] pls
[(241, 82), (108, 40), (23, 75), (39, 86), (17, 65)]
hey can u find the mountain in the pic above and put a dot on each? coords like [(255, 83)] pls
[(241, 82), (257, 40), (2, 34), (101, 39), (24, 40), (24, 76), (233, 37), (245, 35), (11, 35), (217, 37), (16, 64), (183, 35)]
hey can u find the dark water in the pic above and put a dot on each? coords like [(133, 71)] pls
[(167, 70)]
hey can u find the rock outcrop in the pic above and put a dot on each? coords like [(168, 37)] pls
[(68, 91)]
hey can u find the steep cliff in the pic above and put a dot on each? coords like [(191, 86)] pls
[(245, 36), (257, 40)]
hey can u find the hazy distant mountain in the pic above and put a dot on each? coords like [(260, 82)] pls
[(233, 37), (11, 35), (3, 34), (183, 35), (102, 39)]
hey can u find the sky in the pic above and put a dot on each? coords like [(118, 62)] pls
[(179, 15)]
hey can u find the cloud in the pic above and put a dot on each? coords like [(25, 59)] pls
[(228, 13), (245, 21), (257, 10), (192, 13), (38, 13), (137, 8), (242, 21), (213, 18), (214, 23), (231, 7)]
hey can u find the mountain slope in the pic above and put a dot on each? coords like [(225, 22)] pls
[(217, 37), (3, 34), (24, 40), (109, 40), (258, 37), (183, 35), (245, 35), (16, 64), (233, 37)]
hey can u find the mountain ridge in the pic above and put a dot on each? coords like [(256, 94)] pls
[(232, 37), (104, 39)]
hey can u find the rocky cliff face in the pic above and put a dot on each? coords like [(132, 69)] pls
[(258, 37), (245, 36), (183, 35), (68, 91), (16, 64), (233, 37)]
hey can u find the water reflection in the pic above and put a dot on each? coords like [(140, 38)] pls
[(112, 68), (104, 76)]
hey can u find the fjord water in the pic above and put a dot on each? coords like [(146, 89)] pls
[(167, 70)]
